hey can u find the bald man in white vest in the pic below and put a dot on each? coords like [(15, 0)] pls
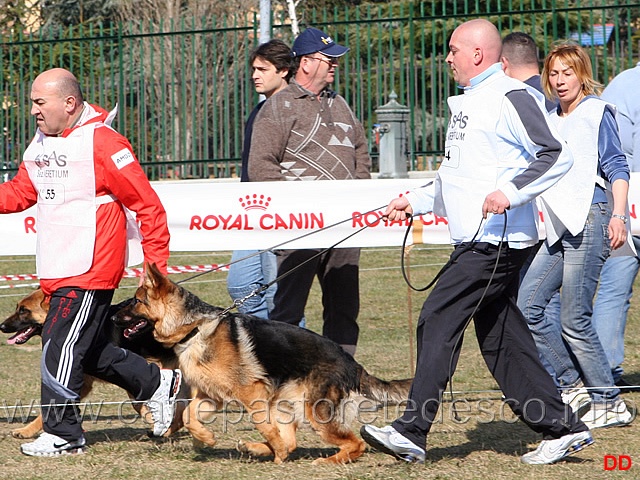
[(500, 153)]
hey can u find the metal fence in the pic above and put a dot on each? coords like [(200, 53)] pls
[(183, 87)]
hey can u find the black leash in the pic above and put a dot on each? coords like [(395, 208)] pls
[(484, 293), (454, 256), (240, 301)]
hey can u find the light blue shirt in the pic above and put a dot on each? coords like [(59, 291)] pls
[(622, 91)]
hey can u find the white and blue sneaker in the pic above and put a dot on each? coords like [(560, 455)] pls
[(390, 441), (162, 403), (550, 451), (49, 445)]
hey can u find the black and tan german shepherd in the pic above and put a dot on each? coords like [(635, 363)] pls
[(283, 375), (26, 322)]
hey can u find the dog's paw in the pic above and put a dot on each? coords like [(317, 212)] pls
[(24, 433), (256, 449), (242, 447)]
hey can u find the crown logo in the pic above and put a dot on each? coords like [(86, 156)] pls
[(254, 202)]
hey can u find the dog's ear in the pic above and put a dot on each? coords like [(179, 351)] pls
[(153, 276), (42, 299), (149, 276)]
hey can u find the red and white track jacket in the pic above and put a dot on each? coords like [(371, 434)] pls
[(130, 186)]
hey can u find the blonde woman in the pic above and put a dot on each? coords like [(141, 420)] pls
[(582, 228)]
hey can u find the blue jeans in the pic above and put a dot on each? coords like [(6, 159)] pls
[(248, 275), (611, 307), (573, 263), (552, 310)]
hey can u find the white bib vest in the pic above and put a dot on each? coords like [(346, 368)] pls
[(566, 205), (62, 171), (474, 157), (468, 170)]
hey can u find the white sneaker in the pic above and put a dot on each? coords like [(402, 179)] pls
[(49, 445), (608, 415), (550, 451), (162, 403), (390, 441), (577, 398)]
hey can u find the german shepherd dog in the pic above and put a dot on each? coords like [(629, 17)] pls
[(26, 322), (283, 375)]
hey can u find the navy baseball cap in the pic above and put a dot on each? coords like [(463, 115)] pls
[(313, 40)]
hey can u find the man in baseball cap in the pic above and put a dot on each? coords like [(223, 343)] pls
[(315, 60), (313, 40)]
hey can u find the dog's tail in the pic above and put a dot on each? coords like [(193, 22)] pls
[(383, 391)]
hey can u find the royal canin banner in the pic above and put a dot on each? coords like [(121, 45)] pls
[(213, 215)]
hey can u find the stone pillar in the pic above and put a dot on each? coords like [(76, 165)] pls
[(392, 128)]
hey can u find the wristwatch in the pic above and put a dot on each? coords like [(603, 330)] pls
[(621, 217)]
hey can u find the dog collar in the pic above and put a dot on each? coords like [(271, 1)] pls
[(189, 336)]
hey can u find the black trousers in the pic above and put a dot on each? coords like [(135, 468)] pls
[(504, 338), (338, 274), (74, 343)]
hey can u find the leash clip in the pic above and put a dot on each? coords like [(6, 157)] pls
[(238, 302)]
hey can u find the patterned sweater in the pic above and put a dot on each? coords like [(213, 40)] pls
[(298, 137)]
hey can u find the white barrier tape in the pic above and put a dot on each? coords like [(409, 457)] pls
[(31, 285), (18, 278), (128, 273), (137, 272)]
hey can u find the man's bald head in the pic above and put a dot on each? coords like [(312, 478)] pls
[(481, 33), (474, 46), (61, 81), (57, 101)]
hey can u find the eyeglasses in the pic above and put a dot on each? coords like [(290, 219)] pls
[(328, 61)]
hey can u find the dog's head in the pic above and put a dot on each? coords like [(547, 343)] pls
[(126, 328), (28, 318), (159, 303)]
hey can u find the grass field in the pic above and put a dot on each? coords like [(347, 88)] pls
[(483, 443)]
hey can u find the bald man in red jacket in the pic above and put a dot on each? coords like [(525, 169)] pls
[(83, 175)]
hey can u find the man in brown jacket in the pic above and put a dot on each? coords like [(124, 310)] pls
[(308, 132)]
